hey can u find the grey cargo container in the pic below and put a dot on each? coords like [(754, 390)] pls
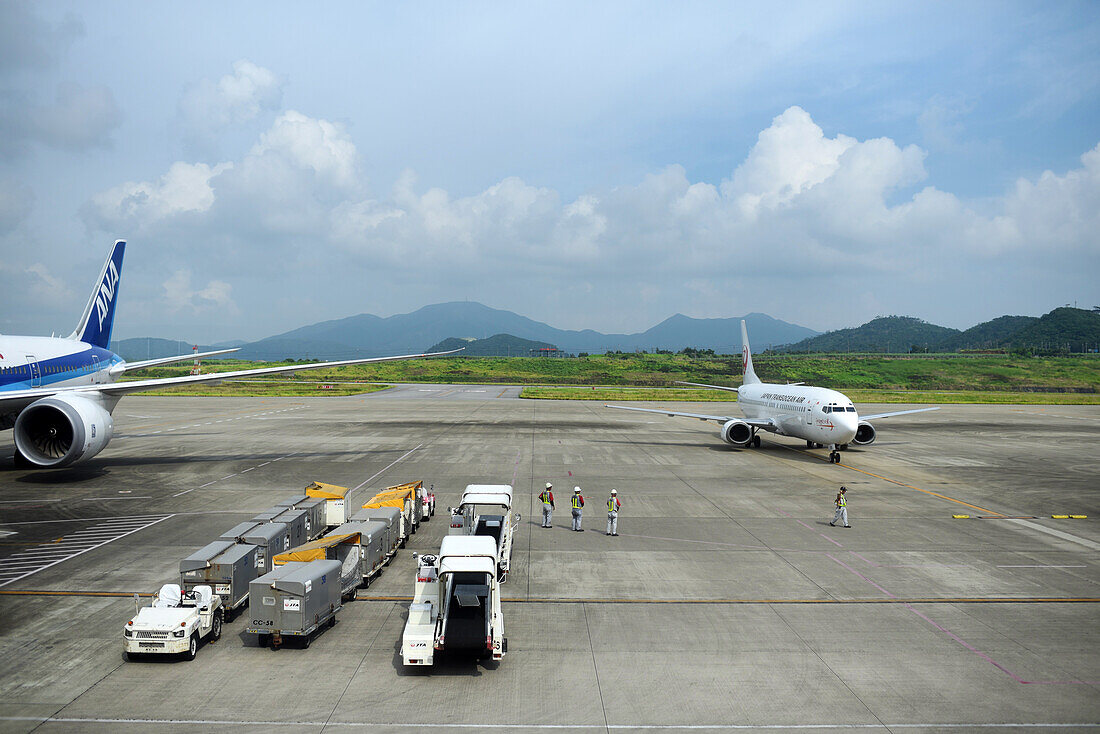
[(372, 549), (226, 567), (237, 532), (392, 517), (295, 599), (272, 538), (314, 507), (295, 521)]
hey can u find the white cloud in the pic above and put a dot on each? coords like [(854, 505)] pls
[(216, 297), (185, 188), (803, 213), (209, 106)]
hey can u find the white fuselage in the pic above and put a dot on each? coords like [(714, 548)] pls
[(812, 413)]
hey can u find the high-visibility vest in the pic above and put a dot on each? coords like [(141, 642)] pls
[(576, 501), (612, 504), (545, 497), (841, 501)]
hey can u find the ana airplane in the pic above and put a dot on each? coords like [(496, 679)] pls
[(58, 393), (821, 416)]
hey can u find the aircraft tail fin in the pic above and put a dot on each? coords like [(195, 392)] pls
[(99, 315), (750, 377)]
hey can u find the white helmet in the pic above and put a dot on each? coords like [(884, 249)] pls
[(549, 485), (614, 491), (577, 490)]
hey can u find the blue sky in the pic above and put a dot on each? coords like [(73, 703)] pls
[(589, 165)]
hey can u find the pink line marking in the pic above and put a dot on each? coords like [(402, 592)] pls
[(869, 563), (826, 537), (784, 514), (803, 524), (963, 642)]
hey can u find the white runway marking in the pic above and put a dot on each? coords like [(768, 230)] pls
[(1058, 534), (25, 563), (541, 727), (380, 471)]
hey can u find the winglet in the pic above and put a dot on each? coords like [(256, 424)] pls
[(750, 377), (99, 315)]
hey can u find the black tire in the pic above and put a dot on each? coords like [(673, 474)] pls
[(131, 656), (192, 648), (756, 442), (305, 641), (809, 444), (332, 622), (216, 627)]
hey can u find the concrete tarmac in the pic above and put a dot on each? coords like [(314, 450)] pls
[(726, 603)]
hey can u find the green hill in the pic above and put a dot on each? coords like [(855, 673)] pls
[(1063, 329), (987, 335), (891, 334)]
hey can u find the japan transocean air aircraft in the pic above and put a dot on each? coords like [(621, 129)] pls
[(821, 416), (58, 393)]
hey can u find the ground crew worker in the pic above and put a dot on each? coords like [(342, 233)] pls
[(547, 499), (613, 506), (841, 502), (577, 502)]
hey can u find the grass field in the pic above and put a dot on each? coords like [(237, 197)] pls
[(937, 378)]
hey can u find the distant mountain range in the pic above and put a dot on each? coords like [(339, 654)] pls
[(502, 332), (1063, 329), (498, 345), (366, 335)]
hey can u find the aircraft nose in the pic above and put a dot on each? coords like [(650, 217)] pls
[(849, 423)]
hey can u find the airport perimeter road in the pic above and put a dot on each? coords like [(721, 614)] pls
[(726, 603)]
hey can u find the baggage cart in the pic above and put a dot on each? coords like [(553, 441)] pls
[(334, 513), (393, 519), (226, 567), (271, 538), (294, 600), (314, 507)]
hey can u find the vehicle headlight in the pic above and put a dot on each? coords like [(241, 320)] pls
[(179, 633), (128, 632)]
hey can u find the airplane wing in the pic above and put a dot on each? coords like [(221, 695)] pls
[(765, 425), (699, 384), (898, 412), (131, 366), (18, 399)]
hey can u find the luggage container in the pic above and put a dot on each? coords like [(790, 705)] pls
[(227, 567), (393, 519), (333, 496), (268, 515), (314, 507), (424, 497), (237, 532), (295, 521), (406, 491), (342, 547), (372, 545), (271, 538), (404, 501), (294, 600)]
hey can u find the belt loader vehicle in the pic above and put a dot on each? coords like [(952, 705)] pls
[(174, 623), (226, 566), (295, 600), (456, 603), (486, 510)]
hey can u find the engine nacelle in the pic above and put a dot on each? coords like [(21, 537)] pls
[(865, 434), (737, 432), (62, 429)]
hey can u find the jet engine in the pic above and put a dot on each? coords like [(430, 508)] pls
[(62, 429), (737, 432), (865, 434)]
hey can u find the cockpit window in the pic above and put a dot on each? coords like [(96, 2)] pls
[(851, 409), (827, 409)]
